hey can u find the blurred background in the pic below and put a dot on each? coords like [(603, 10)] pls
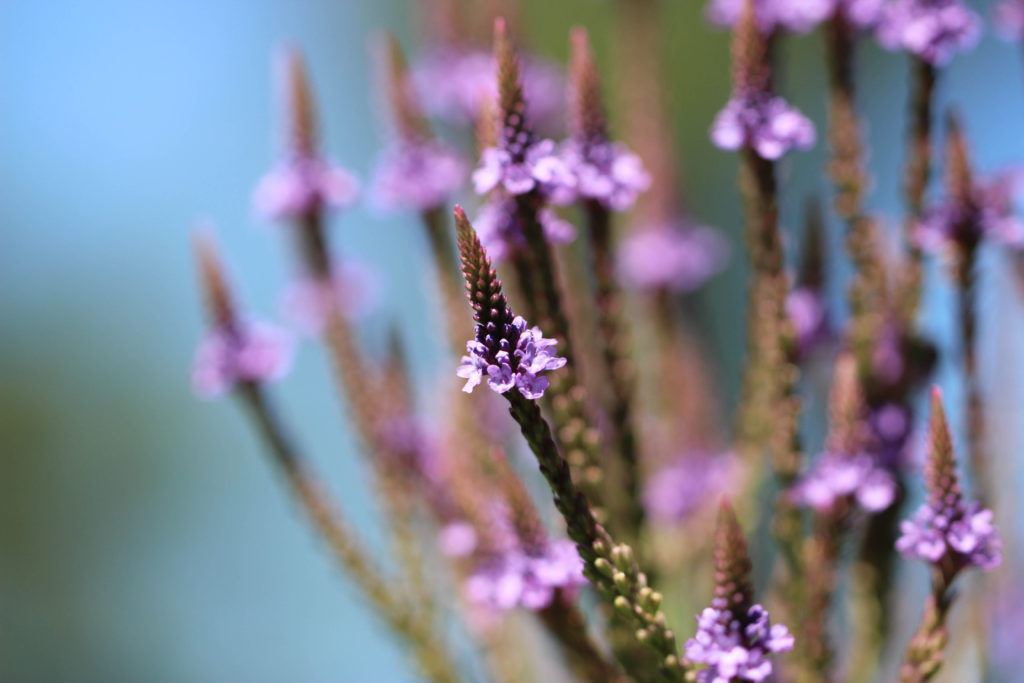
[(143, 535)]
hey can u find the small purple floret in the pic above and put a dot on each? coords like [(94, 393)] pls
[(736, 650), (537, 166), (837, 477), (676, 491), (532, 355), (767, 124), (254, 352), (606, 172), (498, 226), (964, 533), (525, 577), (417, 175), (675, 256), (934, 30), (296, 187)]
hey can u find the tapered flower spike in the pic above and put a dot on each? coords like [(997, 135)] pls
[(959, 184), (951, 536), (510, 88), (610, 566), (409, 121), (750, 66), (300, 109), (212, 281), (733, 590), (734, 637), (586, 111)]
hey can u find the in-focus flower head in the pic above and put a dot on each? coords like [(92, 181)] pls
[(676, 256), (306, 303), (417, 175), (501, 233), (532, 354), (676, 491), (250, 352), (451, 83), (933, 30), (505, 350), (734, 635), (606, 172), (947, 531), (839, 476)]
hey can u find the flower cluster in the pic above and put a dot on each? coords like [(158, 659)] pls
[(251, 352), (934, 30), (964, 532), (523, 354), (674, 256), (296, 187), (526, 577), (419, 175), (501, 233), (452, 83), (837, 476), (606, 172), (521, 167), (767, 124), (987, 214), (676, 491), (736, 648)]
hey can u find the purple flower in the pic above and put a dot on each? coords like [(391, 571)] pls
[(796, 16), (675, 492), (500, 231), (298, 186), (451, 83), (736, 649), (526, 577), (674, 255), (457, 539), (934, 30), (965, 533), (808, 313), (989, 214), (763, 122), (520, 168), (355, 289), (417, 175), (531, 354), (606, 172), (1008, 19), (837, 477), (252, 352)]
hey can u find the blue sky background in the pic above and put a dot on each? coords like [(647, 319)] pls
[(142, 534)]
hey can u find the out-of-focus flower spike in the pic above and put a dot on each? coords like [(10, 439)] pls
[(959, 184), (586, 109), (511, 104), (940, 478), (846, 407), (750, 66), (213, 282), (733, 588), (487, 123), (409, 121), (300, 108)]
